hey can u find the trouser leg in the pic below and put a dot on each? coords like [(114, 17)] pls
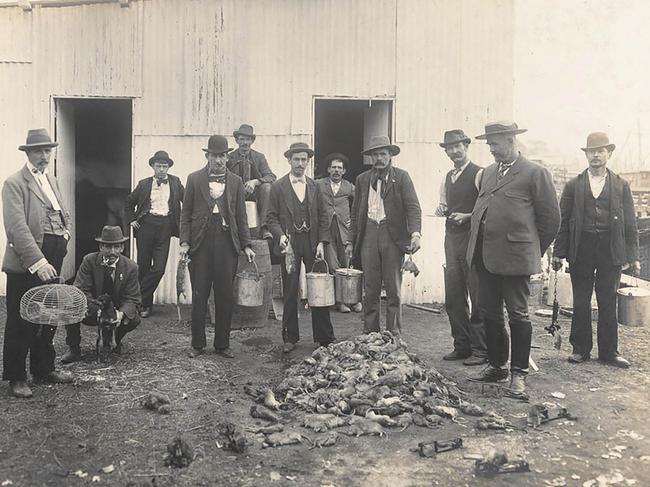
[(582, 283), (263, 196), (392, 259), (320, 316), (290, 289), (516, 290), (608, 277), (200, 268), (371, 263), (157, 254), (224, 269)]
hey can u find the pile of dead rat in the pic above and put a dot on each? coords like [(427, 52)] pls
[(369, 385)]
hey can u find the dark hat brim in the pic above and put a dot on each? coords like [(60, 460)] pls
[(164, 159), (218, 152), (444, 145), (309, 152), (392, 148), (43, 145), (120, 240), (501, 132), (609, 147), (237, 133), (336, 156)]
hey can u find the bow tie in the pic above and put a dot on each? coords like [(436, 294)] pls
[(217, 178), (162, 181), (295, 180), (37, 172)]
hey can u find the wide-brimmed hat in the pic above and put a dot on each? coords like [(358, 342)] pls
[(246, 130), (111, 235), (381, 142), (336, 156), (217, 144), (453, 137), (161, 156), (37, 139), (598, 140), (298, 147), (501, 128)]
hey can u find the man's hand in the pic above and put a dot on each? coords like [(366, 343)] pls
[(250, 254), (459, 218), (46, 272), (135, 224), (556, 263), (415, 243), (284, 241), (320, 251), (249, 186), (349, 250), (636, 268), (120, 316), (185, 247)]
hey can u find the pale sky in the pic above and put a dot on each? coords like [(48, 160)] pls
[(583, 66)]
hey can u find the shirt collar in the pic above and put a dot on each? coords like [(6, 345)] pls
[(113, 265), (461, 168), (34, 170), (300, 179)]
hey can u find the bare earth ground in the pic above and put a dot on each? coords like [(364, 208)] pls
[(98, 421)]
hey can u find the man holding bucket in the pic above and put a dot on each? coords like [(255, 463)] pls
[(599, 237), (213, 231), (386, 224), (294, 222), (335, 195), (251, 166)]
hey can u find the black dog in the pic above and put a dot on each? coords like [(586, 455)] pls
[(106, 323)]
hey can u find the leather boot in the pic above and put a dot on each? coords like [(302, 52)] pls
[(72, 355), (19, 388)]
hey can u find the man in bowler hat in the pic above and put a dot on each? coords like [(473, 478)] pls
[(335, 195), (457, 197), (37, 226), (214, 230), (599, 237), (293, 219), (107, 272), (515, 219), (386, 224), (153, 210), (251, 166)]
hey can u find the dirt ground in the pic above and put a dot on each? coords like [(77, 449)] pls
[(66, 434)]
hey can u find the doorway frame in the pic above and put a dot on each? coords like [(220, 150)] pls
[(52, 129)]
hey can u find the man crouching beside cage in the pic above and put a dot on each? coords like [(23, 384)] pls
[(110, 282)]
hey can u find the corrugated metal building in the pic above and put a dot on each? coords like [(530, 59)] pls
[(116, 80)]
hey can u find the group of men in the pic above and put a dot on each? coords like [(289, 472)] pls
[(499, 223)]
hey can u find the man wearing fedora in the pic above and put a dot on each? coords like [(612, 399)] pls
[(214, 230), (153, 210), (37, 227), (335, 196), (599, 238), (107, 272), (386, 224), (293, 219), (251, 166), (457, 197), (515, 219)]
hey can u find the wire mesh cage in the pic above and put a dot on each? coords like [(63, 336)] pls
[(54, 305)]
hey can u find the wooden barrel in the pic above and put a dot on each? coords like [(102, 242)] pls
[(247, 317)]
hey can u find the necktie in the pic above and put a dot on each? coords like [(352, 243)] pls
[(217, 178), (502, 170), (109, 280), (454, 174)]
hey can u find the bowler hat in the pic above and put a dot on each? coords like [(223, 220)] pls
[(501, 128), (598, 140), (381, 142), (161, 156), (111, 235), (336, 156), (298, 147), (453, 137), (37, 139), (246, 130), (217, 144)]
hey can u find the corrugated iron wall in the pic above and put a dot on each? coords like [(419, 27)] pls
[(205, 66)]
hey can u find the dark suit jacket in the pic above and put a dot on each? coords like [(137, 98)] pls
[(401, 205), (522, 218), (259, 168), (198, 205), (279, 219), (90, 279), (624, 236), (23, 209), (138, 202), (335, 207)]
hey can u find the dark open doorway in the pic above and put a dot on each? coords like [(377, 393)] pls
[(93, 166), (345, 125)]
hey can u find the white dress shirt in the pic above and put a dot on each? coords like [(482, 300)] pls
[(376, 203), (159, 198), (597, 183), (44, 183), (335, 187), (299, 186), (216, 190)]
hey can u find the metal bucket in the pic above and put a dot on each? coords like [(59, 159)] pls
[(251, 214), (249, 288), (320, 287), (633, 306), (348, 284)]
